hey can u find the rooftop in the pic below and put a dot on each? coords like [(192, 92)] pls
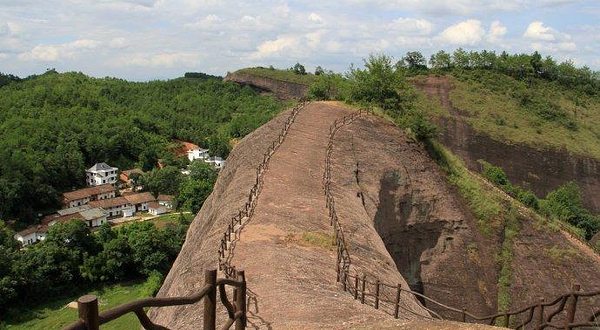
[(108, 203), (140, 198), (88, 192), (100, 167), (32, 229), (165, 197), (72, 210)]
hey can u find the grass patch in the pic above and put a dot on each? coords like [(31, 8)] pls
[(485, 204), (281, 75), (540, 114), (56, 315), (557, 254), (318, 239), (505, 258), (311, 238)]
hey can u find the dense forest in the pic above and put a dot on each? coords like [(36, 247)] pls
[(55, 125)]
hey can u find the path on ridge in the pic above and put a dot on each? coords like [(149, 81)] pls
[(291, 282)]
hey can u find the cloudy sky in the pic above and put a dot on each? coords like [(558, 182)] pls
[(150, 39)]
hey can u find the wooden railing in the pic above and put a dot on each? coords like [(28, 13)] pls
[(540, 315), (237, 223), (90, 319)]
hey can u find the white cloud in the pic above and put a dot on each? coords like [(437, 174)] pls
[(410, 26), (209, 22), (496, 32), (41, 53), (117, 43), (3, 56), (537, 31), (162, 60), (547, 39), (276, 46), (50, 53), (467, 33), (314, 17)]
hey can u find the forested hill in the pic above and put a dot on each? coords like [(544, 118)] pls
[(54, 126)]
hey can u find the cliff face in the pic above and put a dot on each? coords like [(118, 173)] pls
[(282, 89), (541, 170), (433, 238)]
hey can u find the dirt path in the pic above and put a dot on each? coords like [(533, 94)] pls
[(284, 249)]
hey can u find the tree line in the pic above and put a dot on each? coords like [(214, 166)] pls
[(55, 125), (72, 259)]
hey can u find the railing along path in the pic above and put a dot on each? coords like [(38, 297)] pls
[(91, 319), (237, 223), (540, 315)]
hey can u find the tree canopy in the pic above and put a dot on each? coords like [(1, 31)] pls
[(54, 126)]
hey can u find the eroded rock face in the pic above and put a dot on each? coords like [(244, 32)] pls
[(539, 170), (433, 238), (282, 89), (423, 223)]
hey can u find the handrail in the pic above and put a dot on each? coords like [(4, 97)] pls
[(359, 291), (244, 215), (90, 319)]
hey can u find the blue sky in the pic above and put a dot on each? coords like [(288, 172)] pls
[(150, 39)]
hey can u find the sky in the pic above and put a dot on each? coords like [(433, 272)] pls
[(161, 39)]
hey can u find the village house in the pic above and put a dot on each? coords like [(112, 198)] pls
[(101, 173), (31, 235), (116, 207), (217, 162), (86, 195), (197, 153), (166, 201), (140, 201), (93, 217), (155, 208), (126, 176)]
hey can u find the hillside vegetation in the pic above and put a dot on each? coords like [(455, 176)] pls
[(292, 76), (536, 112), (54, 126)]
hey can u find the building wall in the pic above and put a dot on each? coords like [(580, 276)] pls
[(79, 202)]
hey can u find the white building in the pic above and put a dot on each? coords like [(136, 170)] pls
[(140, 201), (86, 195), (101, 173), (155, 208), (31, 235), (217, 162), (116, 207), (93, 217), (166, 200), (197, 153)]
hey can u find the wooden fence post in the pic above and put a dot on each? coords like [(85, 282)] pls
[(88, 312), (344, 278), (463, 315), (356, 287), (240, 304), (364, 281), (506, 320), (210, 300), (397, 305), (377, 294), (540, 319), (571, 309)]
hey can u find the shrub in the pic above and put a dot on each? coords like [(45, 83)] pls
[(153, 284), (328, 86)]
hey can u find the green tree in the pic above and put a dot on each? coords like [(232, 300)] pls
[(441, 60), (379, 84), (299, 69), (193, 194), (414, 61)]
